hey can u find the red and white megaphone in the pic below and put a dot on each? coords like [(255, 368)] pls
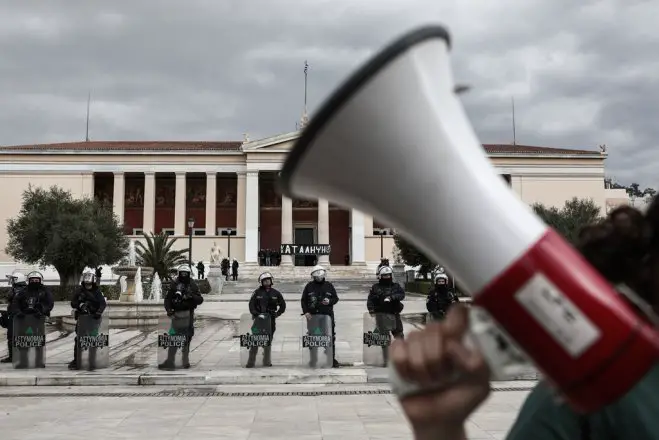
[(398, 124)]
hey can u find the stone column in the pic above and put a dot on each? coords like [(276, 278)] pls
[(211, 203), (240, 203), (252, 217), (119, 196), (149, 216), (368, 225), (323, 229), (358, 241), (286, 228), (180, 222)]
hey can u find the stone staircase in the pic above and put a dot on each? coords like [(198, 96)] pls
[(302, 273), (296, 286)]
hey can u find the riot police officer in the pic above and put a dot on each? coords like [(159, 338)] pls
[(318, 298), (386, 297), (440, 297), (87, 300), (18, 282), (34, 300), (265, 300), (183, 295)]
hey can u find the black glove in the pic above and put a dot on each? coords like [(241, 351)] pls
[(170, 313), (83, 308), (97, 315)]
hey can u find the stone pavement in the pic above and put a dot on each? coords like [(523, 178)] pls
[(82, 413), (215, 350)]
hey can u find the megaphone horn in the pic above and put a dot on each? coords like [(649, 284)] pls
[(394, 141)]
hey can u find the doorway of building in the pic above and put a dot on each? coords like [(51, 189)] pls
[(305, 235)]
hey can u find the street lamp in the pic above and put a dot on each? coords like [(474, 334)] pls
[(381, 232), (190, 228), (228, 232)]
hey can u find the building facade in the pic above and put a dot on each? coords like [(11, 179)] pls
[(229, 190)]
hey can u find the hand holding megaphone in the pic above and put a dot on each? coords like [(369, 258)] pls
[(401, 112)]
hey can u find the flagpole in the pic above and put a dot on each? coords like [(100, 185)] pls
[(306, 75), (514, 130), (89, 95)]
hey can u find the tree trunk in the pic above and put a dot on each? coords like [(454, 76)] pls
[(68, 278)]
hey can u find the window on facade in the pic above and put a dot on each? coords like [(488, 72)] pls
[(199, 231), (226, 231), (168, 231), (138, 231)]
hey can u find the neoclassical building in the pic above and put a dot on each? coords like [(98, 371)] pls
[(228, 189)]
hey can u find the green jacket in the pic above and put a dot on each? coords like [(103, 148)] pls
[(634, 417)]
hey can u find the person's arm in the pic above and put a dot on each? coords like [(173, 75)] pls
[(370, 301), (431, 303), (48, 302), (168, 298), (304, 300), (399, 293), (252, 305), (335, 296), (75, 301), (196, 299), (101, 301), (282, 304)]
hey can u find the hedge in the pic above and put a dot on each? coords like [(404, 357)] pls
[(111, 291), (422, 287)]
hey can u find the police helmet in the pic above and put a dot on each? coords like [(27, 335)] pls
[(441, 277), (35, 277), (318, 273), (385, 272), (184, 271), (17, 279), (266, 276), (88, 277)]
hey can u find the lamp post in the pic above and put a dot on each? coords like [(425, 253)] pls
[(228, 232), (380, 232), (190, 227)]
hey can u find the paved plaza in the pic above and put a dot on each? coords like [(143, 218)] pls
[(216, 398), (58, 414)]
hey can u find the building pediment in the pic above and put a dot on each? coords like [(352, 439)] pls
[(275, 144)]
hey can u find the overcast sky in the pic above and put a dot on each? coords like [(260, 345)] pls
[(582, 73)]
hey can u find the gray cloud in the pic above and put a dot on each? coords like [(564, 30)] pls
[(581, 73)]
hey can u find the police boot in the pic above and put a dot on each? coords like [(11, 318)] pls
[(73, 365), (267, 358), (251, 360), (186, 357), (313, 357), (7, 360)]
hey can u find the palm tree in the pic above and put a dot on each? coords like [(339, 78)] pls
[(158, 253)]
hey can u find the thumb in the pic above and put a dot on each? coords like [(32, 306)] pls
[(457, 322)]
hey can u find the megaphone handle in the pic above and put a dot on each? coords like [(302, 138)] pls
[(482, 330), (402, 388)]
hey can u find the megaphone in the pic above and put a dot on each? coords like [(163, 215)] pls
[(394, 141)]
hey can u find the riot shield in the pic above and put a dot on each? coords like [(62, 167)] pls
[(29, 342), (92, 342), (174, 335), (317, 341), (377, 338), (255, 333)]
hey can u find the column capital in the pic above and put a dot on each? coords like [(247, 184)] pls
[(119, 173), (180, 174), (149, 173), (241, 174), (252, 173), (211, 174)]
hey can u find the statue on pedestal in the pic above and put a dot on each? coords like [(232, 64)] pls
[(216, 255)]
